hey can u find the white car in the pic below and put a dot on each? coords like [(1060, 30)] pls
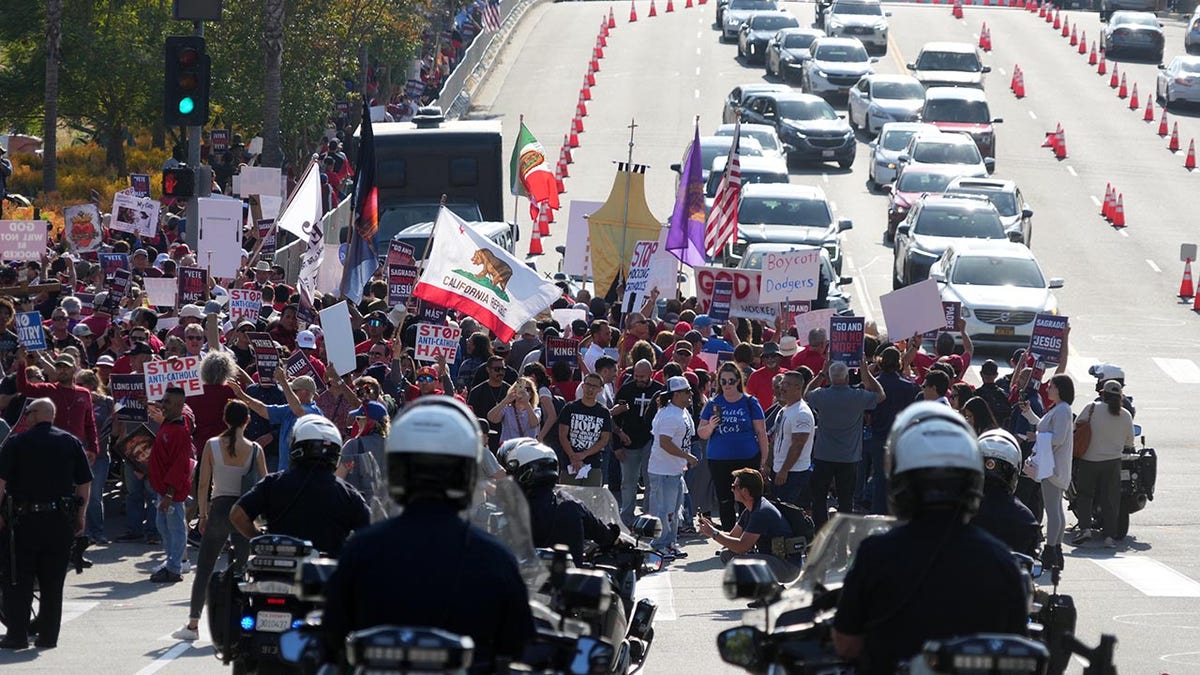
[(754, 170), (886, 150), (763, 133), (738, 11), (712, 147), (1001, 287), (878, 99), (862, 19), (1179, 81), (837, 64), (947, 150)]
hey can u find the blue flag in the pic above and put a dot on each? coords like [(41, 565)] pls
[(361, 260)]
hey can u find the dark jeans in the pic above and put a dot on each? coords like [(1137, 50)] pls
[(841, 475), (722, 477), (1029, 493), (217, 531), (795, 489), (43, 545), (877, 486), (1098, 481)]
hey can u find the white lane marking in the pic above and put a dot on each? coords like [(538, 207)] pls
[(73, 609), (1183, 371), (1153, 266), (697, 70), (1095, 200), (697, 51), (1151, 577), (1123, 233), (696, 93), (167, 657), (699, 35), (1032, 115), (1078, 364), (657, 587), (1071, 170), (833, 206), (1001, 71), (825, 177), (860, 283)]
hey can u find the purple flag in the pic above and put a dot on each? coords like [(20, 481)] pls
[(685, 239)]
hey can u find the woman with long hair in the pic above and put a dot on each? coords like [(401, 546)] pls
[(517, 413), (736, 431), (545, 398), (362, 461), (227, 466), (1057, 424), (979, 415), (1098, 471), (104, 410)]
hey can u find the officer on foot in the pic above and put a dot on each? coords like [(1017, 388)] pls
[(934, 575), (307, 500), (44, 482), (1000, 513), (427, 566)]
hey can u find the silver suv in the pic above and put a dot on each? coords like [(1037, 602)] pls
[(862, 19), (1107, 7)]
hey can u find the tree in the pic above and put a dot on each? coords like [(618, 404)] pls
[(50, 112), (273, 16)]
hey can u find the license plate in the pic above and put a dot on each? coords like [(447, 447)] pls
[(273, 622), (1006, 330), (827, 153)]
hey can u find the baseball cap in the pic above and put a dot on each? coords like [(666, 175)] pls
[(427, 371), (81, 330), (989, 366), (64, 360), (682, 328), (500, 347), (1113, 387), (105, 360), (306, 340), (770, 349), (703, 321), (371, 409), (191, 312), (678, 383)]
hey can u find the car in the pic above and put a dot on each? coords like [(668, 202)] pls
[(1107, 7), (1191, 39), (787, 214), (758, 29), (1001, 286), (963, 110), (754, 170), (738, 11), (878, 99), (738, 95), (935, 223), (862, 19), (763, 134), (955, 151), (721, 5), (788, 50), (1015, 214), (836, 65), (949, 64), (911, 183), (1133, 32), (712, 147), (886, 149), (1179, 80), (808, 126), (830, 293)]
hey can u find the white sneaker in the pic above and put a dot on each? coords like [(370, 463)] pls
[(185, 567), (185, 633)]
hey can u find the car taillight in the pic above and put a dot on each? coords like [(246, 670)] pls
[(276, 601), (1183, 80)]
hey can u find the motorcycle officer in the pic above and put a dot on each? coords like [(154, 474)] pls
[(306, 500), (934, 575), (1000, 513), (428, 567)]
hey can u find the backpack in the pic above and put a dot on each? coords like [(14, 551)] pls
[(997, 401), (802, 526)]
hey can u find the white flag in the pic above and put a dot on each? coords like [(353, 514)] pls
[(304, 208)]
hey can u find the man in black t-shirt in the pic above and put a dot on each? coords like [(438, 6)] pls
[(634, 413), (488, 394), (584, 429)]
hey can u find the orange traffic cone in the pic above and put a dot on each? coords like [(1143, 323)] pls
[(1060, 144), (1196, 303), (572, 140), (688, 4), (1041, 9), (565, 163), (1106, 208), (1186, 289), (1122, 91), (1103, 67), (566, 149), (1092, 58), (653, 11), (1019, 89), (1133, 100), (577, 125), (1173, 145), (544, 222), (1190, 162), (598, 50), (612, 20), (1119, 212), (1074, 35), (594, 64), (535, 234), (585, 92), (1114, 81), (1012, 82), (1149, 115), (670, 5), (1066, 29), (983, 37), (632, 11), (1082, 42), (581, 109), (1057, 20), (1162, 124), (957, 10), (558, 178)]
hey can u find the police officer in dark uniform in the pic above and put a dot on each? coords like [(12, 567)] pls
[(935, 575), (44, 481), (427, 567), (1000, 513), (307, 500)]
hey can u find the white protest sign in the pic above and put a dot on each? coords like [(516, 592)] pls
[(270, 206), (913, 309), (131, 213), (793, 275), (22, 239), (565, 317), (636, 286), (220, 247), (160, 290), (817, 318), (576, 260), (434, 341), (258, 180), (178, 372), (244, 303), (746, 283), (339, 338)]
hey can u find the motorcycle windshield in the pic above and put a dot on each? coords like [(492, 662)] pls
[(600, 501), (833, 550), (500, 509), (363, 472)]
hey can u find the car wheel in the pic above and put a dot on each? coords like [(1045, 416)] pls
[(888, 237), (897, 284), (850, 118), (1168, 102), (1158, 56)]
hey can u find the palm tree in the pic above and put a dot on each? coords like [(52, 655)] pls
[(273, 13), (50, 121)]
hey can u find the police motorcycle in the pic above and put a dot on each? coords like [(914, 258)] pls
[(1139, 465), (793, 633)]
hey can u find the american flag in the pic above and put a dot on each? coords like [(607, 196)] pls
[(723, 219), (491, 14)]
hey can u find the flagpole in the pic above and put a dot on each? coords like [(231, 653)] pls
[(517, 197), (625, 214)]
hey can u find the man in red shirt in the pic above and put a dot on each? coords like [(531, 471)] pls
[(944, 351), (813, 355), (73, 404), (377, 328), (759, 384), (171, 477)]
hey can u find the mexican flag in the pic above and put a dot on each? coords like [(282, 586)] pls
[(530, 174)]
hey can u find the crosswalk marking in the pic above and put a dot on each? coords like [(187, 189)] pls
[(657, 587), (1151, 577), (73, 609), (1183, 371)]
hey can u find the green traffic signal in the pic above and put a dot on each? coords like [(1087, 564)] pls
[(186, 105)]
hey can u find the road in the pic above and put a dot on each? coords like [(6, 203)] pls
[(661, 73)]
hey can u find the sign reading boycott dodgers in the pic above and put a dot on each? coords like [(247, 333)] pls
[(745, 292), (29, 331), (791, 275), (434, 341), (1048, 340), (244, 303), (178, 372), (22, 239), (846, 340)]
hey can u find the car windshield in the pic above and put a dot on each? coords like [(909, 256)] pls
[(798, 41), (393, 219), (946, 153), (1189, 66), (752, 5), (714, 179), (956, 110), (898, 90), (922, 182), (779, 211), (773, 22), (806, 110), (964, 61), (998, 271), (1005, 202), (765, 137), (895, 140), (711, 151), (868, 8), (959, 222), (841, 53), (1135, 20)]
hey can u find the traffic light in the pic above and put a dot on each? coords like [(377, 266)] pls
[(185, 90), (178, 182)]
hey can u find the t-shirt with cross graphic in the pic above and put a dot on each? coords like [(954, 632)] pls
[(636, 421)]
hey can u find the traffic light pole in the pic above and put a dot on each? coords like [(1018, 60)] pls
[(203, 185)]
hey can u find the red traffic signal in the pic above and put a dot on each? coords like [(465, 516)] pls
[(178, 182)]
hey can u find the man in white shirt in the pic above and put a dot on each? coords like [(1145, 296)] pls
[(670, 456), (792, 450)]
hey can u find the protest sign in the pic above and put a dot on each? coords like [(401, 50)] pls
[(339, 337), (710, 361), (117, 290), (266, 234), (161, 291), (29, 331), (913, 309), (846, 340), (193, 285), (258, 180), (87, 302), (952, 309), (219, 248), (401, 280), (244, 303), (745, 301), (561, 350), (111, 262), (400, 253), (266, 356), (724, 357), (219, 138), (793, 275), (133, 214), (181, 372), (636, 285), (129, 392), (82, 228), (434, 341), (565, 317), (793, 308), (427, 312), (1048, 341), (722, 298), (22, 239), (577, 260), (298, 364), (140, 182)]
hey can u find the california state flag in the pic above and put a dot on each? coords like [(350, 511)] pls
[(530, 173), (468, 272)]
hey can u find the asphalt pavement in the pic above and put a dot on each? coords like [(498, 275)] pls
[(661, 73)]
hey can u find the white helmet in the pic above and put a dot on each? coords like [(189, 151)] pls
[(1103, 372), (315, 439), (1001, 458), (530, 463), (433, 449), (932, 460)]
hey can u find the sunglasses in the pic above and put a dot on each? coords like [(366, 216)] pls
[(496, 369), (725, 380), (426, 378), (58, 318)]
